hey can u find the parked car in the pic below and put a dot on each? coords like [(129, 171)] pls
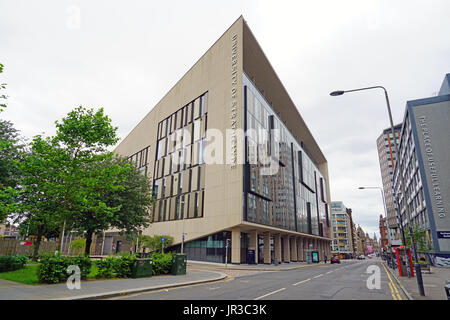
[(361, 257), (335, 260)]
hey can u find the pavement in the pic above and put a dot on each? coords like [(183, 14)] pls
[(345, 281), (197, 273), (433, 283), (96, 289)]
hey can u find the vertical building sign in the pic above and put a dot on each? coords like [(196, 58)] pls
[(233, 114)]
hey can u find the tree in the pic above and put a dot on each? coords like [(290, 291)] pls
[(84, 135), (41, 188), (123, 195), (155, 243), (421, 240), (11, 151)]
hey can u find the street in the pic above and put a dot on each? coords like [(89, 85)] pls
[(345, 281)]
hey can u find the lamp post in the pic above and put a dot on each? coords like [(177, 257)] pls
[(385, 210), (182, 224), (402, 182)]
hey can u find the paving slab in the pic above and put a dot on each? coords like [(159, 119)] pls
[(433, 283)]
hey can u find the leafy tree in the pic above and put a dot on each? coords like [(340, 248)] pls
[(155, 243), (134, 199), (123, 195), (84, 135), (41, 189), (11, 151), (420, 237)]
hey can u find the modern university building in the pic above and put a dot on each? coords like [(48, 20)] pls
[(424, 163), (232, 161)]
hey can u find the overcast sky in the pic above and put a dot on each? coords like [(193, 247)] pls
[(125, 55)]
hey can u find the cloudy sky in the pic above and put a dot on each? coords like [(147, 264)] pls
[(125, 55)]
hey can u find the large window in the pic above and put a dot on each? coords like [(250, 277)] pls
[(179, 165), (285, 198)]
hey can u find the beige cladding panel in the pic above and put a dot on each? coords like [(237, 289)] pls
[(222, 183)]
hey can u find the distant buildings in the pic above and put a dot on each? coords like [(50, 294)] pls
[(387, 158), (342, 234), (424, 150), (384, 243), (360, 242)]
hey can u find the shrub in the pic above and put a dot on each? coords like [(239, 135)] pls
[(53, 269), (11, 263), (119, 266), (104, 267), (162, 263), (84, 263), (122, 266)]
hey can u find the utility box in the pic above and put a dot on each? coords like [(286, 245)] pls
[(179, 264), (142, 268), (251, 256)]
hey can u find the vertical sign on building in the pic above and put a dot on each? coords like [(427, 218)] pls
[(233, 114)]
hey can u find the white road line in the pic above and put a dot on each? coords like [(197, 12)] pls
[(301, 282), (318, 276), (329, 272), (270, 293)]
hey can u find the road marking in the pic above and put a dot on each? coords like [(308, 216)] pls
[(303, 281), (318, 276), (270, 293), (391, 283), (392, 291), (329, 272)]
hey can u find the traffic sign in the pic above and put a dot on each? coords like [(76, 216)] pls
[(162, 239)]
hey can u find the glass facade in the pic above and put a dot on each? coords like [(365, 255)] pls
[(179, 171), (292, 198), (211, 248)]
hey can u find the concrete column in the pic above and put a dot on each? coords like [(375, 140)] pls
[(319, 248), (267, 248), (300, 249), (287, 249), (236, 245), (253, 245), (293, 249), (277, 247)]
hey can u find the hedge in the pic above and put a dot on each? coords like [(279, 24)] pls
[(115, 267), (53, 269), (11, 263), (162, 263)]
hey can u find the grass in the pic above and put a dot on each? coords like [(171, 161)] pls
[(27, 275)]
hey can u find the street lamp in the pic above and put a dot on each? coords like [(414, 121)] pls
[(384, 207), (182, 230), (402, 182)]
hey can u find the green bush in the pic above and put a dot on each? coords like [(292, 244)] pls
[(119, 266), (122, 266), (84, 263), (162, 263), (53, 269), (11, 263), (104, 268)]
